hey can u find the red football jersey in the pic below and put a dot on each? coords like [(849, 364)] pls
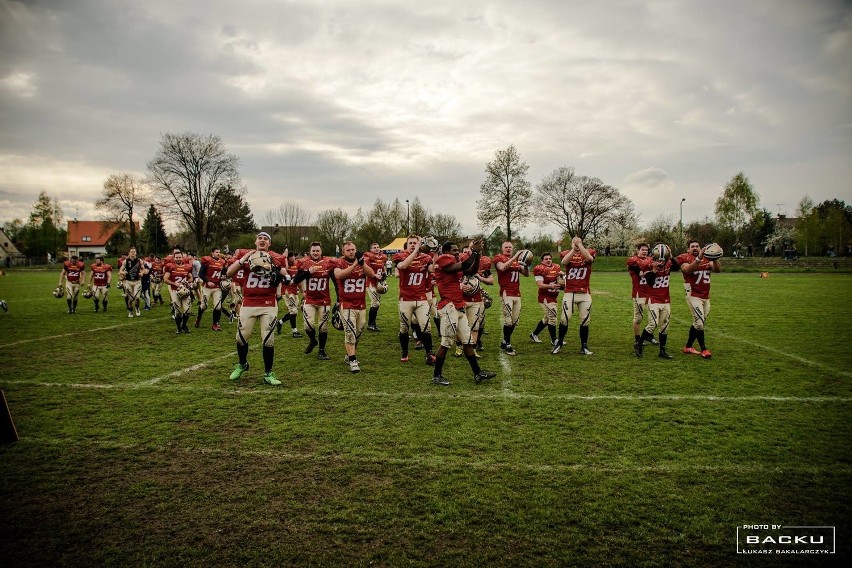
[(449, 283), (699, 279), (260, 290), (179, 274), (484, 266), (578, 271), (637, 266), (414, 281), (351, 291), (376, 261), (658, 283), (317, 291), (548, 275), (292, 287), (100, 274), (157, 267), (509, 279), (74, 271), (212, 269)]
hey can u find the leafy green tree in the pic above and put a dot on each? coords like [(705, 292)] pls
[(153, 235), (738, 205), (42, 232), (507, 196), (663, 229), (229, 217)]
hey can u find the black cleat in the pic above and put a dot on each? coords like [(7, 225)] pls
[(484, 376), (310, 347), (373, 327), (637, 348), (665, 355), (322, 356), (441, 381)]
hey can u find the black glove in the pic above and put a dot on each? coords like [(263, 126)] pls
[(359, 258)]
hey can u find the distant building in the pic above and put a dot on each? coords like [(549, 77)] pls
[(88, 238), (784, 221), (8, 250)]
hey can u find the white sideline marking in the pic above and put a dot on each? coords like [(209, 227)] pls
[(798, 358), (506, 377), (433, 461), (443, 394), (72, 334), (180, 372)]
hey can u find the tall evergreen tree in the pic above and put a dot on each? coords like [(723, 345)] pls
[(154, 235)]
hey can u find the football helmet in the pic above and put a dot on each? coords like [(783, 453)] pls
[(661, 251), (260, 262), (182, 291), (486, 299), (713, 252), (525, 257), (156, 278), (429, 242), (470, 285), (87, 293), (382, 287), (336, 321), (225, 285), (58, 292)]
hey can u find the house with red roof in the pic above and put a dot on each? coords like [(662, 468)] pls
[(88, 238)]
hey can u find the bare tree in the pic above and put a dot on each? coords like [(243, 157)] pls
[(581, 206), (189, 174), (506, 194), (333, 226), (123, 195), (445, 227), (291, 219)]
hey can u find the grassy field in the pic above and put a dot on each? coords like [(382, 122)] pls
[(136, 449)]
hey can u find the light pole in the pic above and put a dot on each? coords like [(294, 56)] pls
[(407, 219), (681, 221)]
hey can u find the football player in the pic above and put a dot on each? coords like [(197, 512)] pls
[(100, 281), (73, 274), (352, 273), (315, 270), (260, 304), (212, 267), (546, 279), (178, 276), (509, 271), (413, 267), (638, 266), (376, 260), (449, 270), (131, 272), (578, 271), (157, 266), (474, 301), (659, 301), (290, 292), (696, 281)]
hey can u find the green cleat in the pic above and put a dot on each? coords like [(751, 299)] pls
[(271, 379), (239, 369)]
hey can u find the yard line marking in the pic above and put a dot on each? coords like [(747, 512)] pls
[(506, 377), (180, 372), (433, 461), (773, 350), (430, 393), (72, 334)]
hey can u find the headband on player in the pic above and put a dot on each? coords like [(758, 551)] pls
[(263, 234)]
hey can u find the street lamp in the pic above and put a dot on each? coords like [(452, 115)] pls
[(407, 219), (681, 221)]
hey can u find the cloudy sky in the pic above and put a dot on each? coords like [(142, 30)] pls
[(339, 102)]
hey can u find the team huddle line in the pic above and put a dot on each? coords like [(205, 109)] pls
[(438, 284)]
